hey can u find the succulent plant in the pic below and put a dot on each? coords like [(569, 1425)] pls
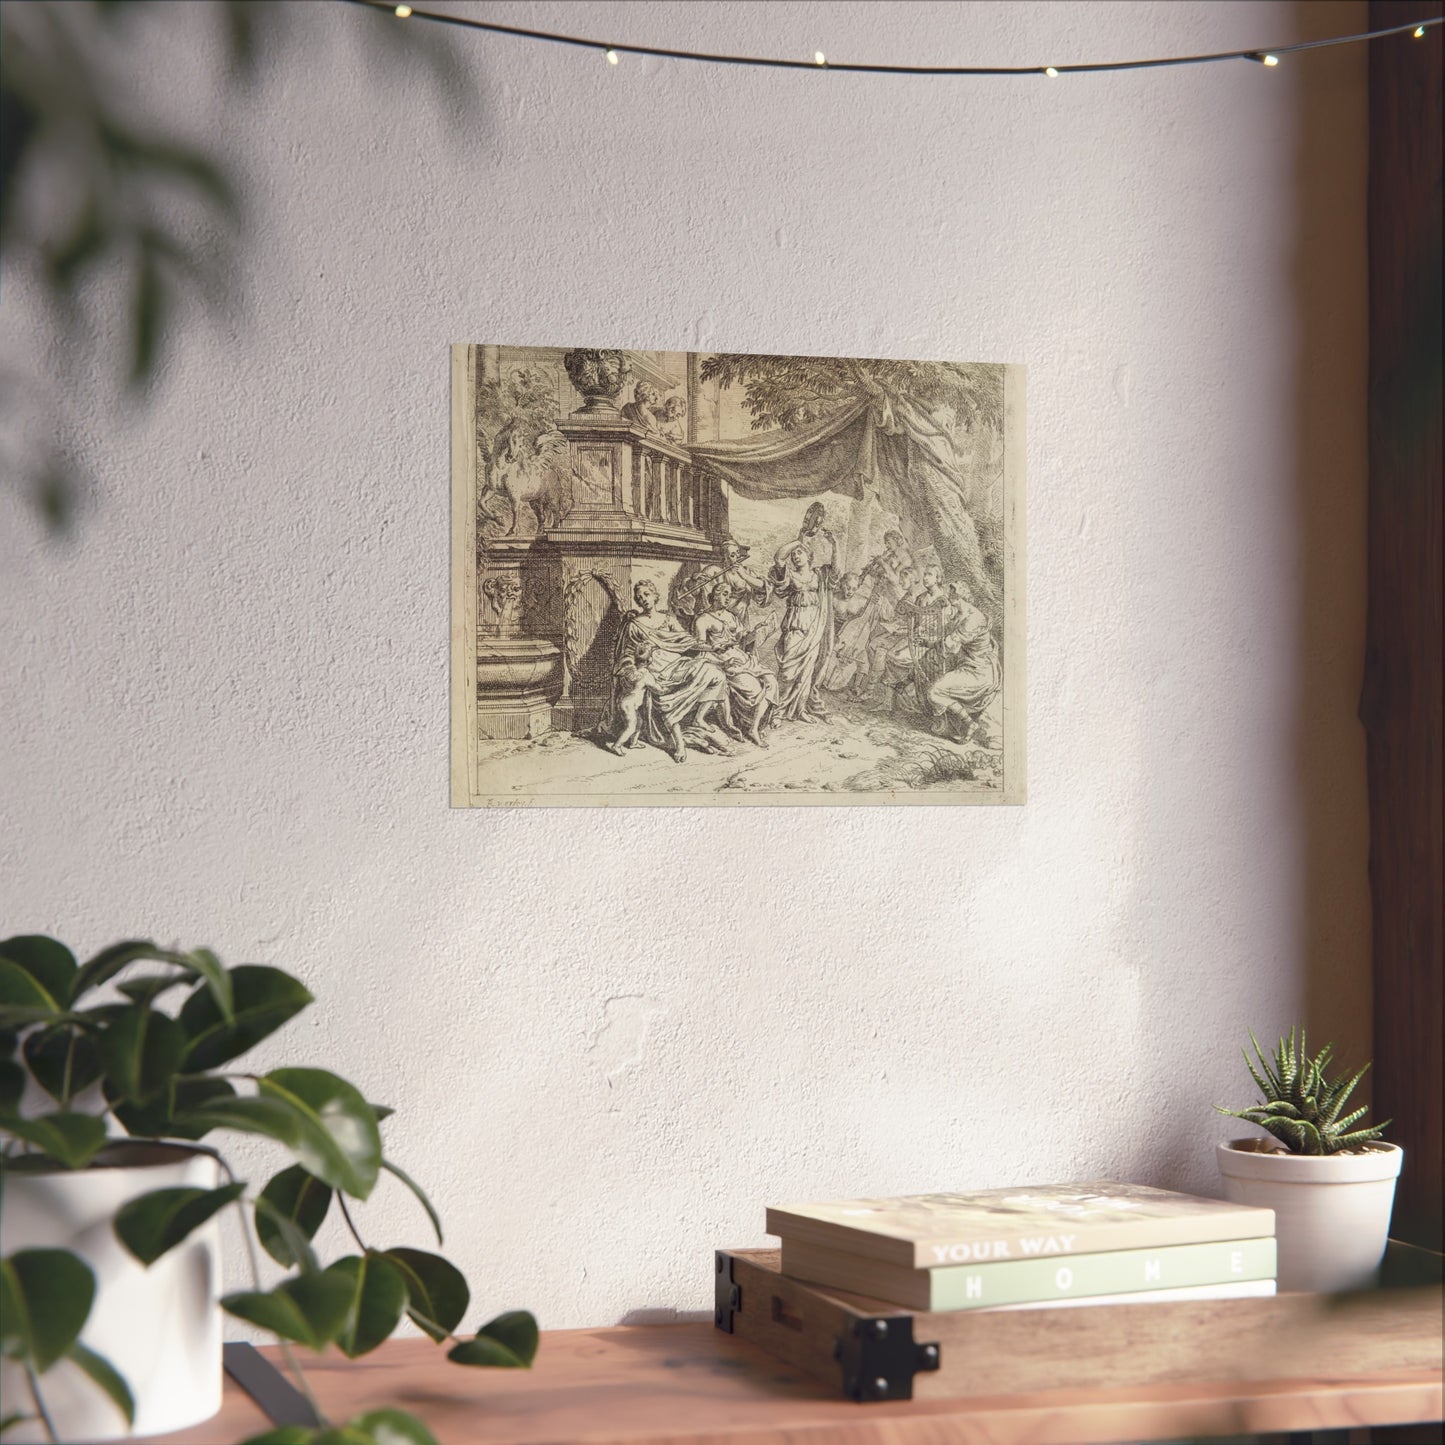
[(1301, 1107)]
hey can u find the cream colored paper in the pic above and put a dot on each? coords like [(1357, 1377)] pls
[(824, 676)]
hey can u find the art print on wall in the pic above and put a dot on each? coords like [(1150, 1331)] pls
[(713, 578)]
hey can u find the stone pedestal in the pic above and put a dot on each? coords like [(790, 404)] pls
[(517, 671), (635, 508), (639, 509), (514, 692)]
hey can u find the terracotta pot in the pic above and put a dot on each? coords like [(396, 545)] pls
[(1331, 1211), (160, 1327)]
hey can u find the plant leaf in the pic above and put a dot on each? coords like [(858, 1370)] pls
[(45, 1299), (12, 1086), (299, 1247), (310, 1310), (416, 1189), (507, 1342), (264, 998), (72, 1139), (109, 962), (392, 1427), (269, 1117), (279, 1115), (1361, 1136), (378, 1296), (141, 1051), (23, 999), (151, 1224), (104, 1374), (437, 1293), (162, 1117), (340, 1143), (209, 967), (296, 1196), (50, 964), (148, 989), (47, 1052)]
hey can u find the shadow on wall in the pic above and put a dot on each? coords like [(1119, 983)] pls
[(1325, 747), (91, 188)]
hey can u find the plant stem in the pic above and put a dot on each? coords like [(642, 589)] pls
[(39, 1403), (361, 1244), (346, 1215), (292, 1363), (69, 1067)]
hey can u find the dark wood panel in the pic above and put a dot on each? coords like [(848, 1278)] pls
[(1401, 701)]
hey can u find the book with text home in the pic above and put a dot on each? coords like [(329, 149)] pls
[(924, 1231), (1033, 1281)]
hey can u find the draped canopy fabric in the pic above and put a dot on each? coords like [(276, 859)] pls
[(879, 445)]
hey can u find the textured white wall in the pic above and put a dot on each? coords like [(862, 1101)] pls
[(612, 1037)]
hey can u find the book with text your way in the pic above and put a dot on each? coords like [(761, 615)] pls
[(1032, 1222)]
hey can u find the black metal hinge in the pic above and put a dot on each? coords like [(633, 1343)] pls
[(727, 1296), (880, 1358)]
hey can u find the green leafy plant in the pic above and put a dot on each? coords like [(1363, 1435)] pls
[(1301, 1107), (172, 1075)]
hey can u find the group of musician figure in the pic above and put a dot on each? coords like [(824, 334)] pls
[(894, 636)]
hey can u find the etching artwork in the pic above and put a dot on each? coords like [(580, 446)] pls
[(711, 578)]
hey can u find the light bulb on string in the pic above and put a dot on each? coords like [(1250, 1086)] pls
[(1260, 57)]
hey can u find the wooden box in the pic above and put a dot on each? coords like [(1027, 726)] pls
[(870, 1350)]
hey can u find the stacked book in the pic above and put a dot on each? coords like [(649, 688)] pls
[(1031, 1247)]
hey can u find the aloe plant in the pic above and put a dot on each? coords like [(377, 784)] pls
[(168, 1075), (1301, 1107)]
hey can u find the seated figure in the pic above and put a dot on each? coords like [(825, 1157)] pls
[(968, 679), (665, 690), (752, 692)]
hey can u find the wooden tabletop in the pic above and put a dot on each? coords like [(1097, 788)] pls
[(694, 1385)]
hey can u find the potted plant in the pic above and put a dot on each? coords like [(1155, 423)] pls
[(113, 1087), (1331, 1185)]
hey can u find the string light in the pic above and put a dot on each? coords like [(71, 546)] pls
[(1259, 55)]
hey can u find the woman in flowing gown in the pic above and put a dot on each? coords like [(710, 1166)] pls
[(751, 691), (805, 642)]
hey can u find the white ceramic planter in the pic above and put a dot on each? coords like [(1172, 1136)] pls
[(1331, 1212), (160, 1327)]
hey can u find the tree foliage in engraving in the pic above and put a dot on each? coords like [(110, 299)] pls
[(792, 391)]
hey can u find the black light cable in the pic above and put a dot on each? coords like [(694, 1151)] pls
[(1260, 55)]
